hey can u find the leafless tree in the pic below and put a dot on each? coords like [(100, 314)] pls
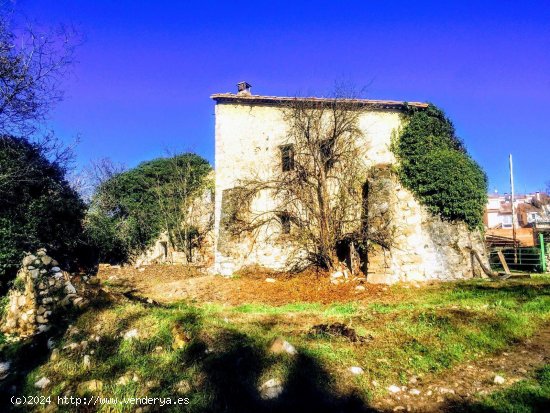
[(32, 65), (318, 188), (177, 199), (88, 179)]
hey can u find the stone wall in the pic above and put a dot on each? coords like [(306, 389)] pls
[(423, 246), (248, 139), (40, 290), (409, 243), (199, 216)]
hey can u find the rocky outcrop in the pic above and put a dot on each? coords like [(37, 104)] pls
[(39, 291)]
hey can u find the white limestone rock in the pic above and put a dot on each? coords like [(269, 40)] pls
[(271, 389), (42, 383), (132, 334)]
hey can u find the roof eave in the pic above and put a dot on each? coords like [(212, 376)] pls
[(279, 100)]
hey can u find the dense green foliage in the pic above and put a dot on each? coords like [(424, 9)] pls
[(435, 166), (130, 209), (38, 208)]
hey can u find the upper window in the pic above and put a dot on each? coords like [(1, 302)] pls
[(326, 147), (287, 157), (285, 222), (507, 221)]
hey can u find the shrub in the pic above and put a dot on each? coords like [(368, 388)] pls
[(38, 207), (129, 210), (435, 166)]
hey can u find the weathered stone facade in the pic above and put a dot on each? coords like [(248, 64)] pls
[(250, 130), (424, 247), (199, 216), (40, 289)]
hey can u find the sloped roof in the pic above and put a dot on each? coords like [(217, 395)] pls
[(505, 207), (525, 207), (279, 100)]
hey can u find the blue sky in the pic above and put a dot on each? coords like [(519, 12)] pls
[(146, 69)]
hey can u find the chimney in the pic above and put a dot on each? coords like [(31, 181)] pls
[(243, 88), (537, 196)]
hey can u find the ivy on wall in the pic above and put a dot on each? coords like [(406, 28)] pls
[(435, 166)]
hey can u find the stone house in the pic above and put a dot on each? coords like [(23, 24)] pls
[(200, 217), (250, 137)]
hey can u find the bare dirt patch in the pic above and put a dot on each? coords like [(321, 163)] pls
[(164, 283)]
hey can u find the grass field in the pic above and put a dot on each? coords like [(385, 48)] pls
[(217, 355)]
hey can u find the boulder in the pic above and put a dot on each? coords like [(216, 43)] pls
[(41, 320), (499, 380), (271, 389), (69, 288), (42, 383), (28, 260), (90, 386), (46, 260), (4, 369), (131, 334), (282, 346)]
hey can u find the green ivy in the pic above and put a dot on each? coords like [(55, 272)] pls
[(435, 166)]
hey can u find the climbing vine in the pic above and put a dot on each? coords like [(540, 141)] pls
[(435, 166)]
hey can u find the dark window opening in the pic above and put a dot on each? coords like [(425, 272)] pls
[(287, 157), (285, 222), (164, 247), (326, 147)]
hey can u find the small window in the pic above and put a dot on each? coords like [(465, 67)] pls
[(164, 249), (507, 221), (285, 222), (287, 157), (326, 147)]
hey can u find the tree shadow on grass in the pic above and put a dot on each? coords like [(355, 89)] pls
[(232, 376), (29, 354), (25, 356)]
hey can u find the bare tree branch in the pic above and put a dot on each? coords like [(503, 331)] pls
[(33, 63), (321, 187)]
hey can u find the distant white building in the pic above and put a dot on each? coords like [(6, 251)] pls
[(530, 209)]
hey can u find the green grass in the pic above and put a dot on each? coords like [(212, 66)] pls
[(525, 396), (414, 331)]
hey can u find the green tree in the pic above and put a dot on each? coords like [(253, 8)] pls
[(436, 167), (38, 207), (130, 209)]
